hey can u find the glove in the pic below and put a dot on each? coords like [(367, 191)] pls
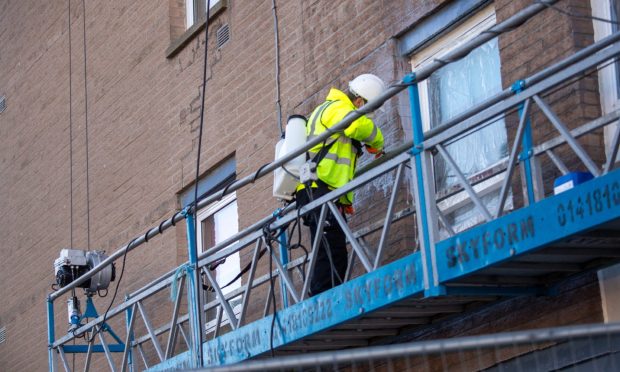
[(347, 209), (374, 151)]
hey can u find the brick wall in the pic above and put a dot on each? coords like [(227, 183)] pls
[(143, 120), (542, 41), (177, 18)]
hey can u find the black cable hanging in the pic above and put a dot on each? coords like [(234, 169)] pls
[(202, 111), (277, 63), (70, 153), (118, 282), (273, 296)]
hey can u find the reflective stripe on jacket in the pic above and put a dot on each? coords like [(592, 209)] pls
[(338, 166)]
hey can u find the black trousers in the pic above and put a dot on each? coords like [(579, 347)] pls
[(331, 262)]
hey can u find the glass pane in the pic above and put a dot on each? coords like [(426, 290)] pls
[(457, 87), (614, 11), (189, 13), (226, 224), (216, 228)]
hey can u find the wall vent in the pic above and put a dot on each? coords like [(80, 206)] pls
[(223, 35), (2, 104), (2, 335)]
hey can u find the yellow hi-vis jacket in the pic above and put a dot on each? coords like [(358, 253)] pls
[(338, 166)]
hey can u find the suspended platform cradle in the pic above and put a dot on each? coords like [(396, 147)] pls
[(526, 251)]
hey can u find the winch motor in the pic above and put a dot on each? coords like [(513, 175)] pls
[(73, 263)]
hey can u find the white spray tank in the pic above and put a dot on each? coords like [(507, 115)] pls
[(285, 181)]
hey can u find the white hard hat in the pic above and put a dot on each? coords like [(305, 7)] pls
[(367, 86)]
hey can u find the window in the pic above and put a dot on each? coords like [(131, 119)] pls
[(450, 91), (187, 19), (216, 223), (194, 10), (614, 11), (609, 76)]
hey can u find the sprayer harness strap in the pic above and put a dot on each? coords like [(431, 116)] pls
[(325, 149)]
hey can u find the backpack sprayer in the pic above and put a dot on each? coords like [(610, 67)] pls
[(287, 177)]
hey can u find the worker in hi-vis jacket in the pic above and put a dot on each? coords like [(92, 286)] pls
[(335, 159)]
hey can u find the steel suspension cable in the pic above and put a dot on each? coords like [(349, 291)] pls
[(70, 135), (86, 130)]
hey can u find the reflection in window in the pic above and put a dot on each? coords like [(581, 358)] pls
[(447, 93), (455, 88)]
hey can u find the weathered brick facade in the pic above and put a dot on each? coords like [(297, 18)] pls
[(143, 120)]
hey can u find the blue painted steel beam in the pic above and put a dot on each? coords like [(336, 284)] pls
[(388, 284), (79, 349), (109, 329), (182, 361), (527, 145), (428, 267), (374, 290), (574, 211), (91, 312), (50, 333), (283, 259), (193, 280)]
